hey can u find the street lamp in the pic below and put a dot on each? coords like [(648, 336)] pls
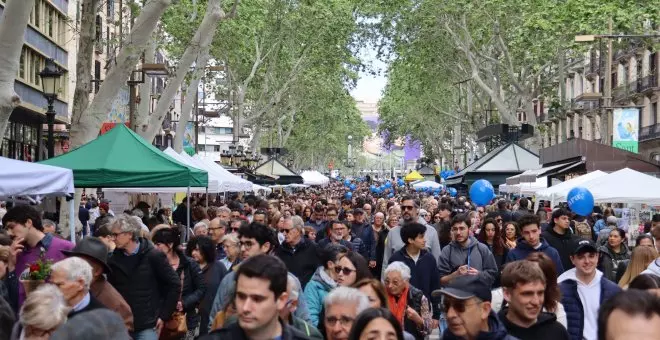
[(350, 161), (50, 77)]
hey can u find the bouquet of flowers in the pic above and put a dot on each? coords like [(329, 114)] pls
[(36, 273)]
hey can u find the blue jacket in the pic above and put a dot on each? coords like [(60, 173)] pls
[(315, 292), (570, 299), (369, 242), (424, 275), (522, 250)]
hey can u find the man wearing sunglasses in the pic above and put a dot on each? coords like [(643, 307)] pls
[(394, 242), (297, 252), (466, 305)]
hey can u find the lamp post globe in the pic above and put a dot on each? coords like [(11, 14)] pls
[(50, 79)]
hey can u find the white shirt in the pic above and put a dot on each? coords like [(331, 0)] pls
[(590, 298)]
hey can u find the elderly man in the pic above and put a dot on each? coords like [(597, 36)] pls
[(342, 306), (49, 227), (407, 303), (217, 230), (73, 277), (201, 229), (466, 305), (374, 239), (94, 251), (297, 252), (223, 213), (144, 277)]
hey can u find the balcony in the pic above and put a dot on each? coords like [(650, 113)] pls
[(648, 133), (648, 84), (626, 91)]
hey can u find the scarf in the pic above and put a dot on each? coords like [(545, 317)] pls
[(399, 308)]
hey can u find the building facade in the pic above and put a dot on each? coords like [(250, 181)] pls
[(48, 35), (634, 79)]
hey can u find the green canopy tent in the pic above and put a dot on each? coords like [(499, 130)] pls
[(122, 159)]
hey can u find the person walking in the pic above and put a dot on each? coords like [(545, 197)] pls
[(560, 237), (298, 253), (533, 242)]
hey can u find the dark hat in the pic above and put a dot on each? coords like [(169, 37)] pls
[(91, 247), (142, 205), (584, 246), (597, 210), (358, 211), (466, 287)]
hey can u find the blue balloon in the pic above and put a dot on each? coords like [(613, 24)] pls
[(390, 195), (401, 182), (347, 182), (388, 184), (453, 192), (353, 186), (379, 190), (481, 192), (348, 195), (581, 201), (372, 188)]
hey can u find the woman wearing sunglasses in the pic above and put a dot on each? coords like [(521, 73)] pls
[(351, 268)]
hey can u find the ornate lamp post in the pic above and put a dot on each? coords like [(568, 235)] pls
[(50, 77), (350, 161)]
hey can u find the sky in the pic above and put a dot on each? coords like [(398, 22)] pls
[(369, 88)]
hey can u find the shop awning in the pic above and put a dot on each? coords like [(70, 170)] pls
[(530, 176)]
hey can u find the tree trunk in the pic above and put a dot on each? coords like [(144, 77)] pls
[(144, 106), (205, 30), (89, 123), (186, 110), (12, 29)]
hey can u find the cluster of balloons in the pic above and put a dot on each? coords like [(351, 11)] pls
[(482, 192), (447, 173), (581, 201), (452, 192)]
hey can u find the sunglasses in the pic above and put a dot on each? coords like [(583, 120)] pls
[(457, 305), (285, 231), (235, 229), (346, 271), (407, 207)]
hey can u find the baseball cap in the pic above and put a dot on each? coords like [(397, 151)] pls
[(466, 287), (584, 246)]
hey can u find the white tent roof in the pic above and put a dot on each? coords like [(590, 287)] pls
[(625, 186), (314, 177), (558, 193), (257, 187), (228, 181), (18, 178), (525, 189), (427, 184)]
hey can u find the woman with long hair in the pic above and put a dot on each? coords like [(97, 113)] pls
[(510, 234), (374, 290), (376, 323), (168, 240), (640, 259), (307, 213), (490, 236), (613, 253), (350, 268), (202, 250)]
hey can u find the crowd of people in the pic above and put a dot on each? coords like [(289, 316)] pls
[(316, 264)]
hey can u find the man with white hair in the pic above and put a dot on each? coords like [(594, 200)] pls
[(73, 277), (342, 306), (201, 229), (297, 252), (223, 213), (287, 315)]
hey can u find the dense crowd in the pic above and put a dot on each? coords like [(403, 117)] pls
[(319, 264)]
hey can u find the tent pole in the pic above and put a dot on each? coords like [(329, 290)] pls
[(207, 197), (187, 215), (72, 222)]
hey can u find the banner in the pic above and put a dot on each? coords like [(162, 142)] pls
[(625, 126), (189, 141)]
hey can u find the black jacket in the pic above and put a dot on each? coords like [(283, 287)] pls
[(234, 332), (147, 282), (564, 244), (213, 274), (301, 261), (193, 290), (546, 328), (93, 304), (496, 331)]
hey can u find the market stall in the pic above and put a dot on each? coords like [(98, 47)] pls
[(313, 177)]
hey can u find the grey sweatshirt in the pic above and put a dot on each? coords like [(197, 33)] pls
[(480, 258)]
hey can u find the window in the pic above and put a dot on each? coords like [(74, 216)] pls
[(654, 113), (21, 64), (20, 142), (37, 13), (97, 75), (216, 148), (36, 68), (51, 18), (99, 29), (110, 10)]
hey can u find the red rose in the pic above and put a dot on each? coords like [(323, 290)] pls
[(34, 267)]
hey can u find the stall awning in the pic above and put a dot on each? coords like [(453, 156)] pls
[(530, 176)]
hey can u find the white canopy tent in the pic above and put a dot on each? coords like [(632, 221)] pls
[(314, 177), (525, 189), (427, 184), (256, 188), (228, 181), (18, 178), (625, 186), (558, 193)]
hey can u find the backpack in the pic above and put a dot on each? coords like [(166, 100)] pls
[(583, 229)]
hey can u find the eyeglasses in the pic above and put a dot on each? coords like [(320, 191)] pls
[(498, 220), (345, 270), (216, 228), (343, 320), (407, 207), (458, 305), (234, 229), (286, 231), (423, 215), (247, 244)]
